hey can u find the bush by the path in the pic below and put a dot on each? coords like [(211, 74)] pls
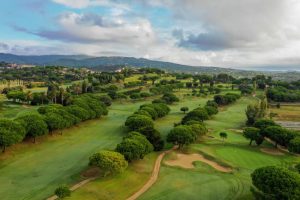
[(181, 135), (109, 162), (275, 183), (62, 192)]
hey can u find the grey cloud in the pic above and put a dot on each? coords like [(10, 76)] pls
[(3, 47), (202, 41)]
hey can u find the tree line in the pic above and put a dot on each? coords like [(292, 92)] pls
[(53, 117)]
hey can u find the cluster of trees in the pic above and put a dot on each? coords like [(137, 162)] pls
[(49, 118), (200, 114), (256, 111), (191, 126), (282, 94), (275, 183), (226, 99), (267, 128), (44, 74), (134, 146), (142, 121)]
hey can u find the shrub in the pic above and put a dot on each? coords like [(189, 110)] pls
[(275, 183), (137, 122), (109, 162), (184, 109), (211, 110), (132, 149), (170, 98), (106, 100), (181, 135), (294, 145), (198, 114), (62, 192)]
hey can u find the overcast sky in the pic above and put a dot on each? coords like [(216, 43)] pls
[(224, 33)]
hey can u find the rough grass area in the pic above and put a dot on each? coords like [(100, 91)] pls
[(287, 113)]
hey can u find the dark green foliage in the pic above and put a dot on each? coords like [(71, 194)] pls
[(275, 183), (223, 135), (145, 94), (198, 129), (109, 162), (282, 94), (54, 121), (294, 145), (11, 132), (136, 122), (154, 137), (264, 123), (279, 135), (34, 125), (79, 112), (169, 98), (198, 114), (184, 109), (135, 96), (106, 100), (151, 111), (181, 135), (212, 103), (159, 101), (148, 147), (253, 134), (211, 110), (143, 112), (62, 192), (298, 167), (246, 89), (132, 149), (226, 99)]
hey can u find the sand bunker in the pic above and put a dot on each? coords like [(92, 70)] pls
[(270, 151), (186, 161)]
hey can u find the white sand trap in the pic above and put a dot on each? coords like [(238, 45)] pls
[(186, 161), (271, 151)]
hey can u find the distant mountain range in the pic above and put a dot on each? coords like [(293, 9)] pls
[(114, 63), (105, 63)]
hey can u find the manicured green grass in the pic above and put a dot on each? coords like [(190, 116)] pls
[(33, 171), (119, 186), (13, 110), (203, 182)]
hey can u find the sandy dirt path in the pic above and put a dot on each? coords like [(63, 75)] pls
[(153, 177), (74, 187)]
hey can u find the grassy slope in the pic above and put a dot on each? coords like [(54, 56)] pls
[(34, 173), (206, 183)]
